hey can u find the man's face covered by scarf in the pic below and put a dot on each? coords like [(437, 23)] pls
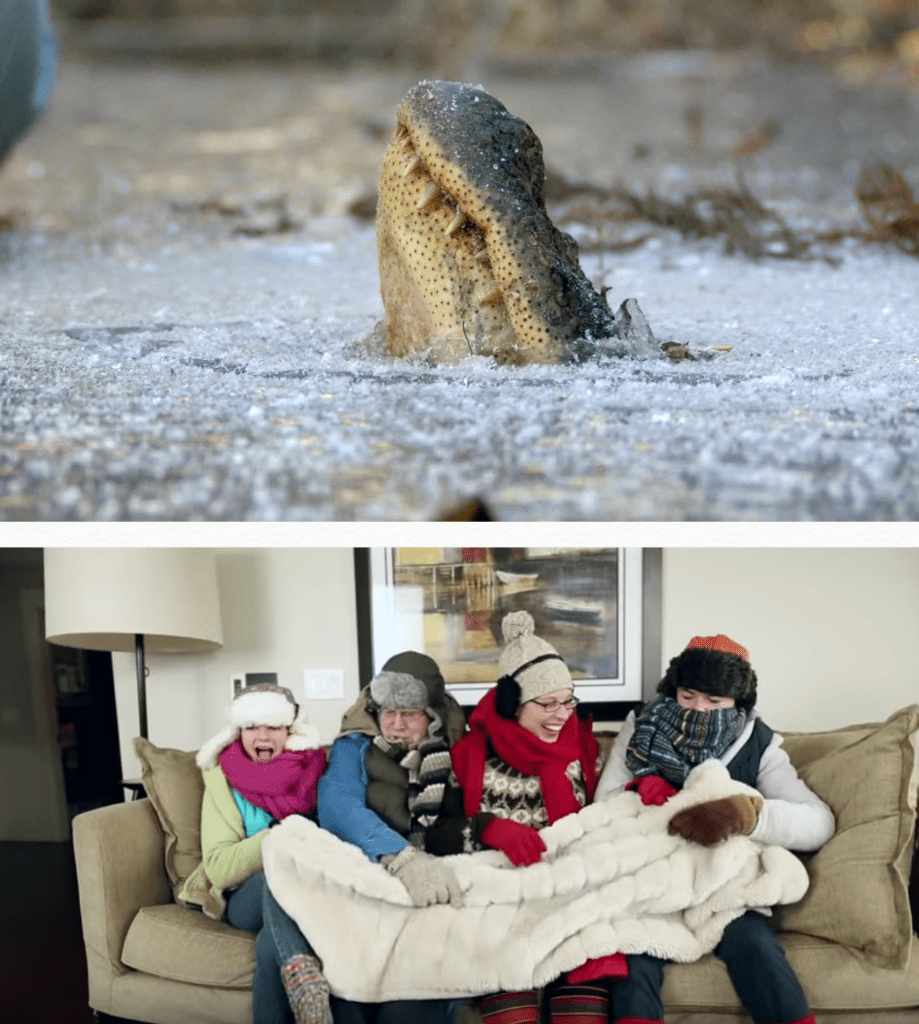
[(671, 737), (698, 700)]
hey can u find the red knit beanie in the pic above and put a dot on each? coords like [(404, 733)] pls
[(719, 642), (715, 665)]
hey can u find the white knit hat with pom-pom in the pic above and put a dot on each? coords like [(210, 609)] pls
[(535, 664)]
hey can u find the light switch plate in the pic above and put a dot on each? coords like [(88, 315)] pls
[(323, 684)]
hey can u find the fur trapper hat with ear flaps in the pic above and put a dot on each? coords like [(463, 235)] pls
[(391, 690), (263, 704), (529, 666), (716, 665), (400, 683)]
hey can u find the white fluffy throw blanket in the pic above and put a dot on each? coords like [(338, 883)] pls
[(613, 879)]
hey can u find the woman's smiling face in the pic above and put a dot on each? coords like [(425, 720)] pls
[(263, 742)]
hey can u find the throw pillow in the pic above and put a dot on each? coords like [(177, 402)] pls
[(176, 789), (858, 893)]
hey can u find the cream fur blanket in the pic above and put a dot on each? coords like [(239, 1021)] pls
[(612, 879)]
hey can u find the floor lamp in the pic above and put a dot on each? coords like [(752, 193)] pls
[(141, 600)]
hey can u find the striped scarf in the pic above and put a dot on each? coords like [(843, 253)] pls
[(428, 767), (669, 739)]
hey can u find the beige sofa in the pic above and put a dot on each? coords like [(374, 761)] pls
[(851, 938)]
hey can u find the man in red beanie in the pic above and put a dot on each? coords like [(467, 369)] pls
[(706, 710)]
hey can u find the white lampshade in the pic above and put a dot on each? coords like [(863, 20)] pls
[(162, 600), (100, 599)]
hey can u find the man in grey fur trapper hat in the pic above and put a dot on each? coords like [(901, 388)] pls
[(384, 786)]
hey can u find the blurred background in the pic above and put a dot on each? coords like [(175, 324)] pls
[(441, 34), (254, 117)]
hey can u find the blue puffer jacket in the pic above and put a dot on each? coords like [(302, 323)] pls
[(342, 800)]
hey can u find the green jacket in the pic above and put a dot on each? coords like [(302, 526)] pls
[(228, 856)]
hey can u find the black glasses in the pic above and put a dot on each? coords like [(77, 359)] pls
[(551, 706)]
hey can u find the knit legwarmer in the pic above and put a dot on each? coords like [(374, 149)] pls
[(579, 1004), (307, 990), (509, 1008)]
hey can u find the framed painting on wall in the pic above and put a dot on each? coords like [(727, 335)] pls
[(449, 603)]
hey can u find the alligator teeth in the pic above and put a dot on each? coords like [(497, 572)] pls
[(458, 221), (431, 195), (411, 165), (491, 297)]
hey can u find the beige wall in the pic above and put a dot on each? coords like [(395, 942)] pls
[(284, 610), (833, 633)]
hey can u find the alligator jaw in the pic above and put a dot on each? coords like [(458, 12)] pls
[(469, 261)]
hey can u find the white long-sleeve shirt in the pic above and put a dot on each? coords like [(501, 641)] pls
[(792, 816)]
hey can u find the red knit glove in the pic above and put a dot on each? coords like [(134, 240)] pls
[(652, 789), (522, 844)]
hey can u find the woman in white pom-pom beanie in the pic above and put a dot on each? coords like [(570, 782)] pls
[(528, 761)]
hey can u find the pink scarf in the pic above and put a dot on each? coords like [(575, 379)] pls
[(284, 785)]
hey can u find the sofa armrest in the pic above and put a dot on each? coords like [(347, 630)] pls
[(120, 868)]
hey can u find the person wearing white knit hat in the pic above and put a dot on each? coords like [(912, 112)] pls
[(528, 761), (261, 768)]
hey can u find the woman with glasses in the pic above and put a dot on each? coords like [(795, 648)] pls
[(528, 760)]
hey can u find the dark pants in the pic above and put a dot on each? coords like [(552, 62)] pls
[(251, 908), (756, 963)]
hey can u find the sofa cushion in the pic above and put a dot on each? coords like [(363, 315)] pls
[(183, 945), (858, 894), (834, 979), (176, 789)]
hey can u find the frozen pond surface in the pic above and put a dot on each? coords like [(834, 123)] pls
[(153, 370)]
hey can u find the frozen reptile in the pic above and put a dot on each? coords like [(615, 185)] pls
[(469, 261)]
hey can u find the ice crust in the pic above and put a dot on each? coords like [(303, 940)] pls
[(164, 391)]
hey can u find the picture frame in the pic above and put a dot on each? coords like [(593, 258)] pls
[(449, 603)]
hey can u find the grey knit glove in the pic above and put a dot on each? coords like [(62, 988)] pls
[(427, 879)]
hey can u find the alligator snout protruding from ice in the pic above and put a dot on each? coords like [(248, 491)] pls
[(470, 262)]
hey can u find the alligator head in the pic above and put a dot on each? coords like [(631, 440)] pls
[(470, 262)]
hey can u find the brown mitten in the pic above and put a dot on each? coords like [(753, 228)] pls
[(715, 820)]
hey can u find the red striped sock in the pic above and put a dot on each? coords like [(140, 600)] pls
[(579, 1004), (509, 1008)]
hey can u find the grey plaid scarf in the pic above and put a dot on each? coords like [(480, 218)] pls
[(669, 739), (428, 767)]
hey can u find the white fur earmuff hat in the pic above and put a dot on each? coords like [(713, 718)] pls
[(530, 667), (264, 704)]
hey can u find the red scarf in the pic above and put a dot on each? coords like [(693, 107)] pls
[(526, 752), (284, 785)]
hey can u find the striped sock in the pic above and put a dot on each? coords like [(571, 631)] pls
[(579, 1004), (509, 1008), (307, 990)]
